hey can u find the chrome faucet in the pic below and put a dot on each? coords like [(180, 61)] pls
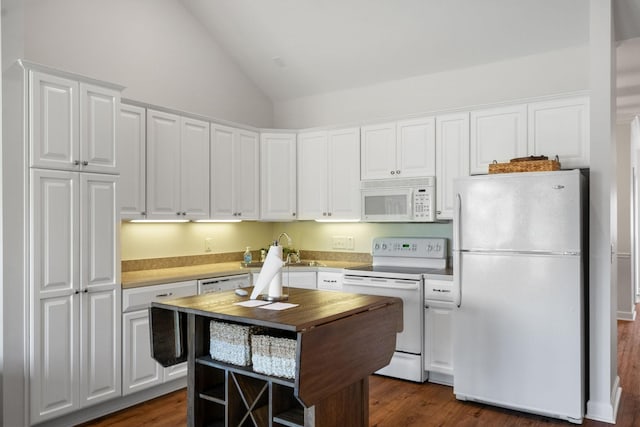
[(277, 242)]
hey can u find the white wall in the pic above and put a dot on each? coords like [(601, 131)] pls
[(14, 370), (144, 241), (626, 293), (153, 47), (623, 172), (536, 75)]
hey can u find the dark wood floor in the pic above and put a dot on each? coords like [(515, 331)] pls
[(395, 403)]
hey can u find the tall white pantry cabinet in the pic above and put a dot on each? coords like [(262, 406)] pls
[(74, 262)]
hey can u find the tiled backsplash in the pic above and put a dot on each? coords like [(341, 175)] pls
[(185, 261)]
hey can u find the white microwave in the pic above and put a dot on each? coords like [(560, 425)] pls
[(399, 200)]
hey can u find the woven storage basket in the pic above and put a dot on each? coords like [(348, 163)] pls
[(231, 343), (274, 356), (526, 164)]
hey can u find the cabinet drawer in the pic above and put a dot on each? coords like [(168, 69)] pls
[(140, 298)]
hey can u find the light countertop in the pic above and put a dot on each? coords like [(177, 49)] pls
[(134, 279)]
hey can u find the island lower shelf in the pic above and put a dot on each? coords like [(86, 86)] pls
[(340, 339), (244, 397)]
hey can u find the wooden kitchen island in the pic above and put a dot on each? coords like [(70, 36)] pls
[(340, 340)]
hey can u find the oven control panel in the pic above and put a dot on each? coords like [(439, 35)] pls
[(410, 247)]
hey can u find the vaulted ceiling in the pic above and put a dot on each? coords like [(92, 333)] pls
[(297, 48)]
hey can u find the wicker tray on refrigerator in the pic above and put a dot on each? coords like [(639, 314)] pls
[(526, 164)]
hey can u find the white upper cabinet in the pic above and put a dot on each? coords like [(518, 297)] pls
[(378, 151), (313, 175), (328, 176), (344, 174), (560, 127), (177, 167), (247, 174), (278, 176), (416, 148), (131, 161), (399, 150), (235, 168), (194, 168), (452, 159), (163, 165), (498, 134), (98, 128), (72, 124)]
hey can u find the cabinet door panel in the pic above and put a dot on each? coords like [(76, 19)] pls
[(163, 165), (54, 232), (439, 342), (98, 116), (194, 167), (101, 356), (378, 151), (278, 176), (140, 370), (100, 245), (452, 159), (312, 175), (53, 117), (561, 127), (247, 174), (416, 155), (344, 174), (222, 172), (54, 390), (131, 153), (498, 134)]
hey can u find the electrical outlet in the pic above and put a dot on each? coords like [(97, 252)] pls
[(350, 244), (208, 244), (339, 242)]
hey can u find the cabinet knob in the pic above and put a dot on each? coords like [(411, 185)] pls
[(329, 214), (398, 172), (85, 163), (393, 172), (239, 213), (76, 162), (324, 214), (143, 213), (294, 214)]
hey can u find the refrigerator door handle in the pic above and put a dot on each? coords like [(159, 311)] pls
[(457, 271)]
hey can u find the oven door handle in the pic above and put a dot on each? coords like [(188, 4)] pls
[(372, 282)]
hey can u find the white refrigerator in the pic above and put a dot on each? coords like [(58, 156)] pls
[(519, 331)]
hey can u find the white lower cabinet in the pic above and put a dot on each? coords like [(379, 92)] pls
[(294, 279), (139, 369), (438, 342), (329, 280), (74, 255)]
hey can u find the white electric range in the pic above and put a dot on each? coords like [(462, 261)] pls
[(398, 269)]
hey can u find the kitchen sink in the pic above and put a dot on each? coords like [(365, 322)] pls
[(311, 263)]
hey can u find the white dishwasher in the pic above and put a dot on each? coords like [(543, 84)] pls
[(223, 283)]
